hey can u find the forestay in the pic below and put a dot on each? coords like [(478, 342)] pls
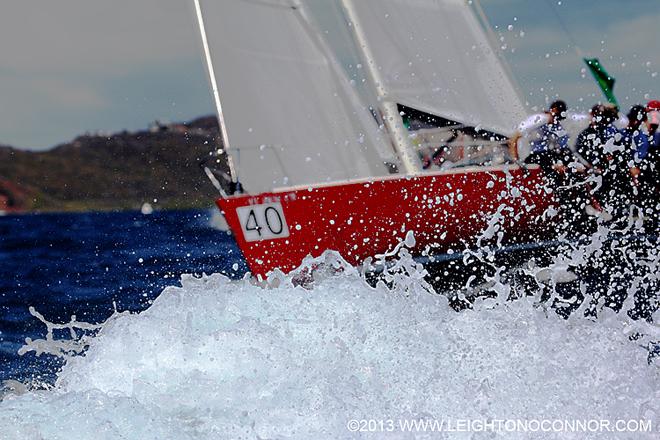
[(435, 56), (291, 116)]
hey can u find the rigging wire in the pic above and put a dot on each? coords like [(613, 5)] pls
[(596, 69), (216, 96), (563, 26), (495, 47)]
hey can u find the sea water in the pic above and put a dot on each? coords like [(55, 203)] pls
[(86, 264), (323, 354)]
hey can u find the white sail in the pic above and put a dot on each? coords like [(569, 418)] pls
[(329, 18), (435, 56), (290, 113)]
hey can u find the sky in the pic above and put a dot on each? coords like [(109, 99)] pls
[(76, 66)]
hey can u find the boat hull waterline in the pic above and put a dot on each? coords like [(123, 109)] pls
[(446, 211)]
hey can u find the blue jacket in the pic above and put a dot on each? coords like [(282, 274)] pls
[(592, 141), (550, 137), (636, 142)]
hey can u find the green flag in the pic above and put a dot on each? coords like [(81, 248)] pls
[(604, 80)]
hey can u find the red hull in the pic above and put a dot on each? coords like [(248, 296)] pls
[(360, 219)]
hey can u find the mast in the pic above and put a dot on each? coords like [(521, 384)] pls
[(216, 95), (390, 112)]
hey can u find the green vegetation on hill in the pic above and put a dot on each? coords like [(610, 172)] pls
[(121, 171)]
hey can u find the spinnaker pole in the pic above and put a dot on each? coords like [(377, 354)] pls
[(390, 112)]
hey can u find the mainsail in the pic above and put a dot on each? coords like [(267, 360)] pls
[(289, 113)]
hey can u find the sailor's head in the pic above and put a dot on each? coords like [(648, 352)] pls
[(558, 110), (653, 115), (636, 116), (603, 114)]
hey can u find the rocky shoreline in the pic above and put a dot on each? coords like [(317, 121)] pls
[(159, 165)]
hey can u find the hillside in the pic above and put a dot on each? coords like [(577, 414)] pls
[(120, 171)]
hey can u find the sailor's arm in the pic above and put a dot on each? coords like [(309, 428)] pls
[(525, 130)]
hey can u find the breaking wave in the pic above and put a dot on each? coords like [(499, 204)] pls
[(300, 355)]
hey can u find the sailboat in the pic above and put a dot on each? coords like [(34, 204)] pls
[(346, 124)]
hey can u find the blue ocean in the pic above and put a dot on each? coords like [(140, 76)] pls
[(88, 264)]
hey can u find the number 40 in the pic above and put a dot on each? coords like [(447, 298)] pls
[(273, 220)]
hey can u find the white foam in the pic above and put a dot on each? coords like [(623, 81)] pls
[(218, 359)]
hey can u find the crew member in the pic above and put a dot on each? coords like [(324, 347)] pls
[(594, 146), (630, 160), (653, 121), (548, 142), (650, 177)]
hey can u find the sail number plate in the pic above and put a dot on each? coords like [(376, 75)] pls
[(262, 222)]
